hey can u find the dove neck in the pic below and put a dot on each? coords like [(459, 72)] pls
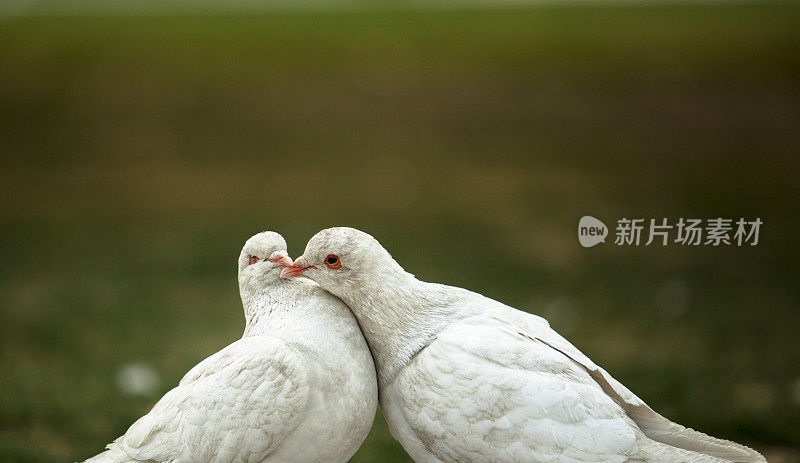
[(258, 302), (271, 307), (399, 316)]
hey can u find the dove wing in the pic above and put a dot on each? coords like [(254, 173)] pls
[(481, 393), (652, 424), (234, 406)]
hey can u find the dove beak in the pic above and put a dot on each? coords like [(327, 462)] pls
[(280, 258), (297, 268)]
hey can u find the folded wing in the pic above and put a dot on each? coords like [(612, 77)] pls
[(652, 424), (236, 405), (478, 393)]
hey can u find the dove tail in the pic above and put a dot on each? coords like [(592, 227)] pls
[(651, 451), (662, 431), (114, 454)]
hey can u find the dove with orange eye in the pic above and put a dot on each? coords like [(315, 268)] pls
[(332, 261), (435, 345)]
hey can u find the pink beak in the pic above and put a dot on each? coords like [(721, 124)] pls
[(293, 270), (281, 258)]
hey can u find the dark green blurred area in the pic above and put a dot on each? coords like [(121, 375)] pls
[(139, 153)]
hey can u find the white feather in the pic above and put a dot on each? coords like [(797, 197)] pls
[(299, 386), (466, 378)]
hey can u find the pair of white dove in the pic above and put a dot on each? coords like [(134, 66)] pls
[(462, 378)]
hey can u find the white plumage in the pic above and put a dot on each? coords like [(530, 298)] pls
[(466, 378), (299, 386)]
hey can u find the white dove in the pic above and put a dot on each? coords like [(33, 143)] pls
[(298, 387), (464, 378)]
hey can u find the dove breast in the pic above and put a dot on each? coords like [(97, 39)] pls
[(299, 386)]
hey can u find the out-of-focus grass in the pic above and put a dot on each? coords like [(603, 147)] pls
[(139, 153)]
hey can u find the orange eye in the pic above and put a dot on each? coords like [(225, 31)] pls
[(253, 260), (333, 261)]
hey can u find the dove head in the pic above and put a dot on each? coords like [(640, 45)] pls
[(395, 311), (262, 257), (337, 258)]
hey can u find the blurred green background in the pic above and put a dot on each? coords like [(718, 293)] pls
[(140, 152)]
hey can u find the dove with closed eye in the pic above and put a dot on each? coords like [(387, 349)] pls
[(299, 386)]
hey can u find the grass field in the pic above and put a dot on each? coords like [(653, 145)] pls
[(139, 153)]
